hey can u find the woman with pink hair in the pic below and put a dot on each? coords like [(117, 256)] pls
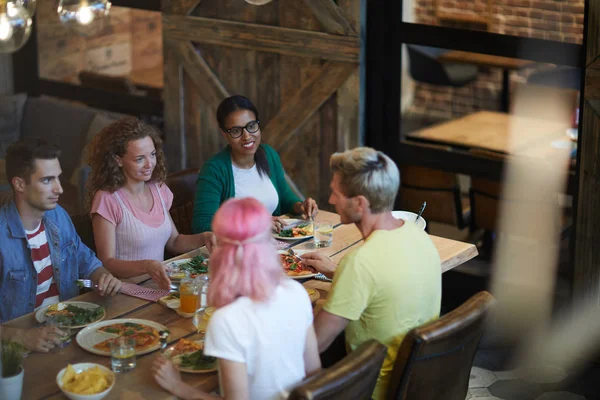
[(261, 332)]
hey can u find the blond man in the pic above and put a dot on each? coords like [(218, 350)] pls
[(390, 284)]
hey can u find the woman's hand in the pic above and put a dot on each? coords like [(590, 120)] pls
[(166, 374), (309, 208), (157, 272), (210, 241), (277, 224)]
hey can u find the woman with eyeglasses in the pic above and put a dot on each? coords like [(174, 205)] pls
[(245, 168)]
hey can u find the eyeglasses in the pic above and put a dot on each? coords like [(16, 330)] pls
[(236, 131)]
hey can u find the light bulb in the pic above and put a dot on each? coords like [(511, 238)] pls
[(6, 29), (15, 28), (29, 5), (86, 17)]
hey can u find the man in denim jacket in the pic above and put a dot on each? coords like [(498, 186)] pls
[(33, 170)]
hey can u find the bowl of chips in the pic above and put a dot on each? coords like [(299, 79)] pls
[(85, 381)]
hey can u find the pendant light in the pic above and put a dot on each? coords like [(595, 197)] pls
[(29, 5), (86, 17), (15, 26)]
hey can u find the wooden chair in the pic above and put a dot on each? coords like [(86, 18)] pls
[(434, 361), (183, 186), (440, 189), (352, 378), (83, 227)]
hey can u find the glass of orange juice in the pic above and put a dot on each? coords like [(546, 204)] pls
[(188, 295)]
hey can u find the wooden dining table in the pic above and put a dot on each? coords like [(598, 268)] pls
[(490, 130), (41, 368)]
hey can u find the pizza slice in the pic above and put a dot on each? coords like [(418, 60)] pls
[(294, 266), (184, 346)]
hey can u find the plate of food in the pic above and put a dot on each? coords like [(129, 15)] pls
[(189, 357), (96, 338), (294, 229), (78, 313), (294, 267), (191, 267)]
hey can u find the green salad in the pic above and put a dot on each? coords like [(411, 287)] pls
[(196, 266), (76, 315), (197, 361)]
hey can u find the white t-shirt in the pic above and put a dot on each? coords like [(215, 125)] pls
[(269, 337), (249, 183)]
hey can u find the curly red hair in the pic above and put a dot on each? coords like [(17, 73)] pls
[(112, 141)]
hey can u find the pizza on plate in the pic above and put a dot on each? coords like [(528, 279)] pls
[(145, 336), (293, 265), (185, 346)]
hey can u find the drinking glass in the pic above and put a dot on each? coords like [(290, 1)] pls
[(200, 319), (63, 324), (122, 352), (188, 295), (323, 233)]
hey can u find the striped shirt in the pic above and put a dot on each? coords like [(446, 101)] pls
[(47, 291)]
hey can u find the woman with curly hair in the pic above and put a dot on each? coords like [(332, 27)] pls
[(262, 348), (129, 202)]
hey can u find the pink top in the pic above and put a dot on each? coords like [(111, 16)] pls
[(139, 235), (107, 205)]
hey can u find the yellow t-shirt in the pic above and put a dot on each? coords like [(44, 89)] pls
[(386, 287)]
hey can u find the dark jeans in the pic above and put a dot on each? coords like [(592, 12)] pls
[(335, 352)]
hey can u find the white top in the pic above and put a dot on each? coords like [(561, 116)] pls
[(269, 337), (248, 183)]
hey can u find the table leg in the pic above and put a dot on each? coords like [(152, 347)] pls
[(505, 97)]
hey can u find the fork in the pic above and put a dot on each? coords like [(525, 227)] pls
[(87, 283)]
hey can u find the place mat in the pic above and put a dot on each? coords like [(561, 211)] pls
[(141, 292)]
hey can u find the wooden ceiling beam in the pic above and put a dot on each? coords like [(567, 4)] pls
[(271, 39)]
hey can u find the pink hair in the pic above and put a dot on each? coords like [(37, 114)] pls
[(259, 271)]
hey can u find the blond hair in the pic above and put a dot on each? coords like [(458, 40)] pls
[(370, 173)]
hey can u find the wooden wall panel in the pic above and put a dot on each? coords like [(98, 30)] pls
[(132, 39), (272, 80)]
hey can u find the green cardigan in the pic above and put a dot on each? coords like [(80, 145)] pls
[(215, 185)]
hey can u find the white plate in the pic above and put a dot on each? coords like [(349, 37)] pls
[(40, 315), (291, 222), (167, 353), (299, 254), (80, 368), (89, 336), (177, 263), (408, 216)]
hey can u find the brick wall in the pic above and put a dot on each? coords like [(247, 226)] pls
[(560, 20)]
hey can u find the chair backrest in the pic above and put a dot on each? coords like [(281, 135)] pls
[(485, 196), (353, 377), (83, 227), (434, 361), (120, 84), (424, 66), (438, 188), (183, 186)]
